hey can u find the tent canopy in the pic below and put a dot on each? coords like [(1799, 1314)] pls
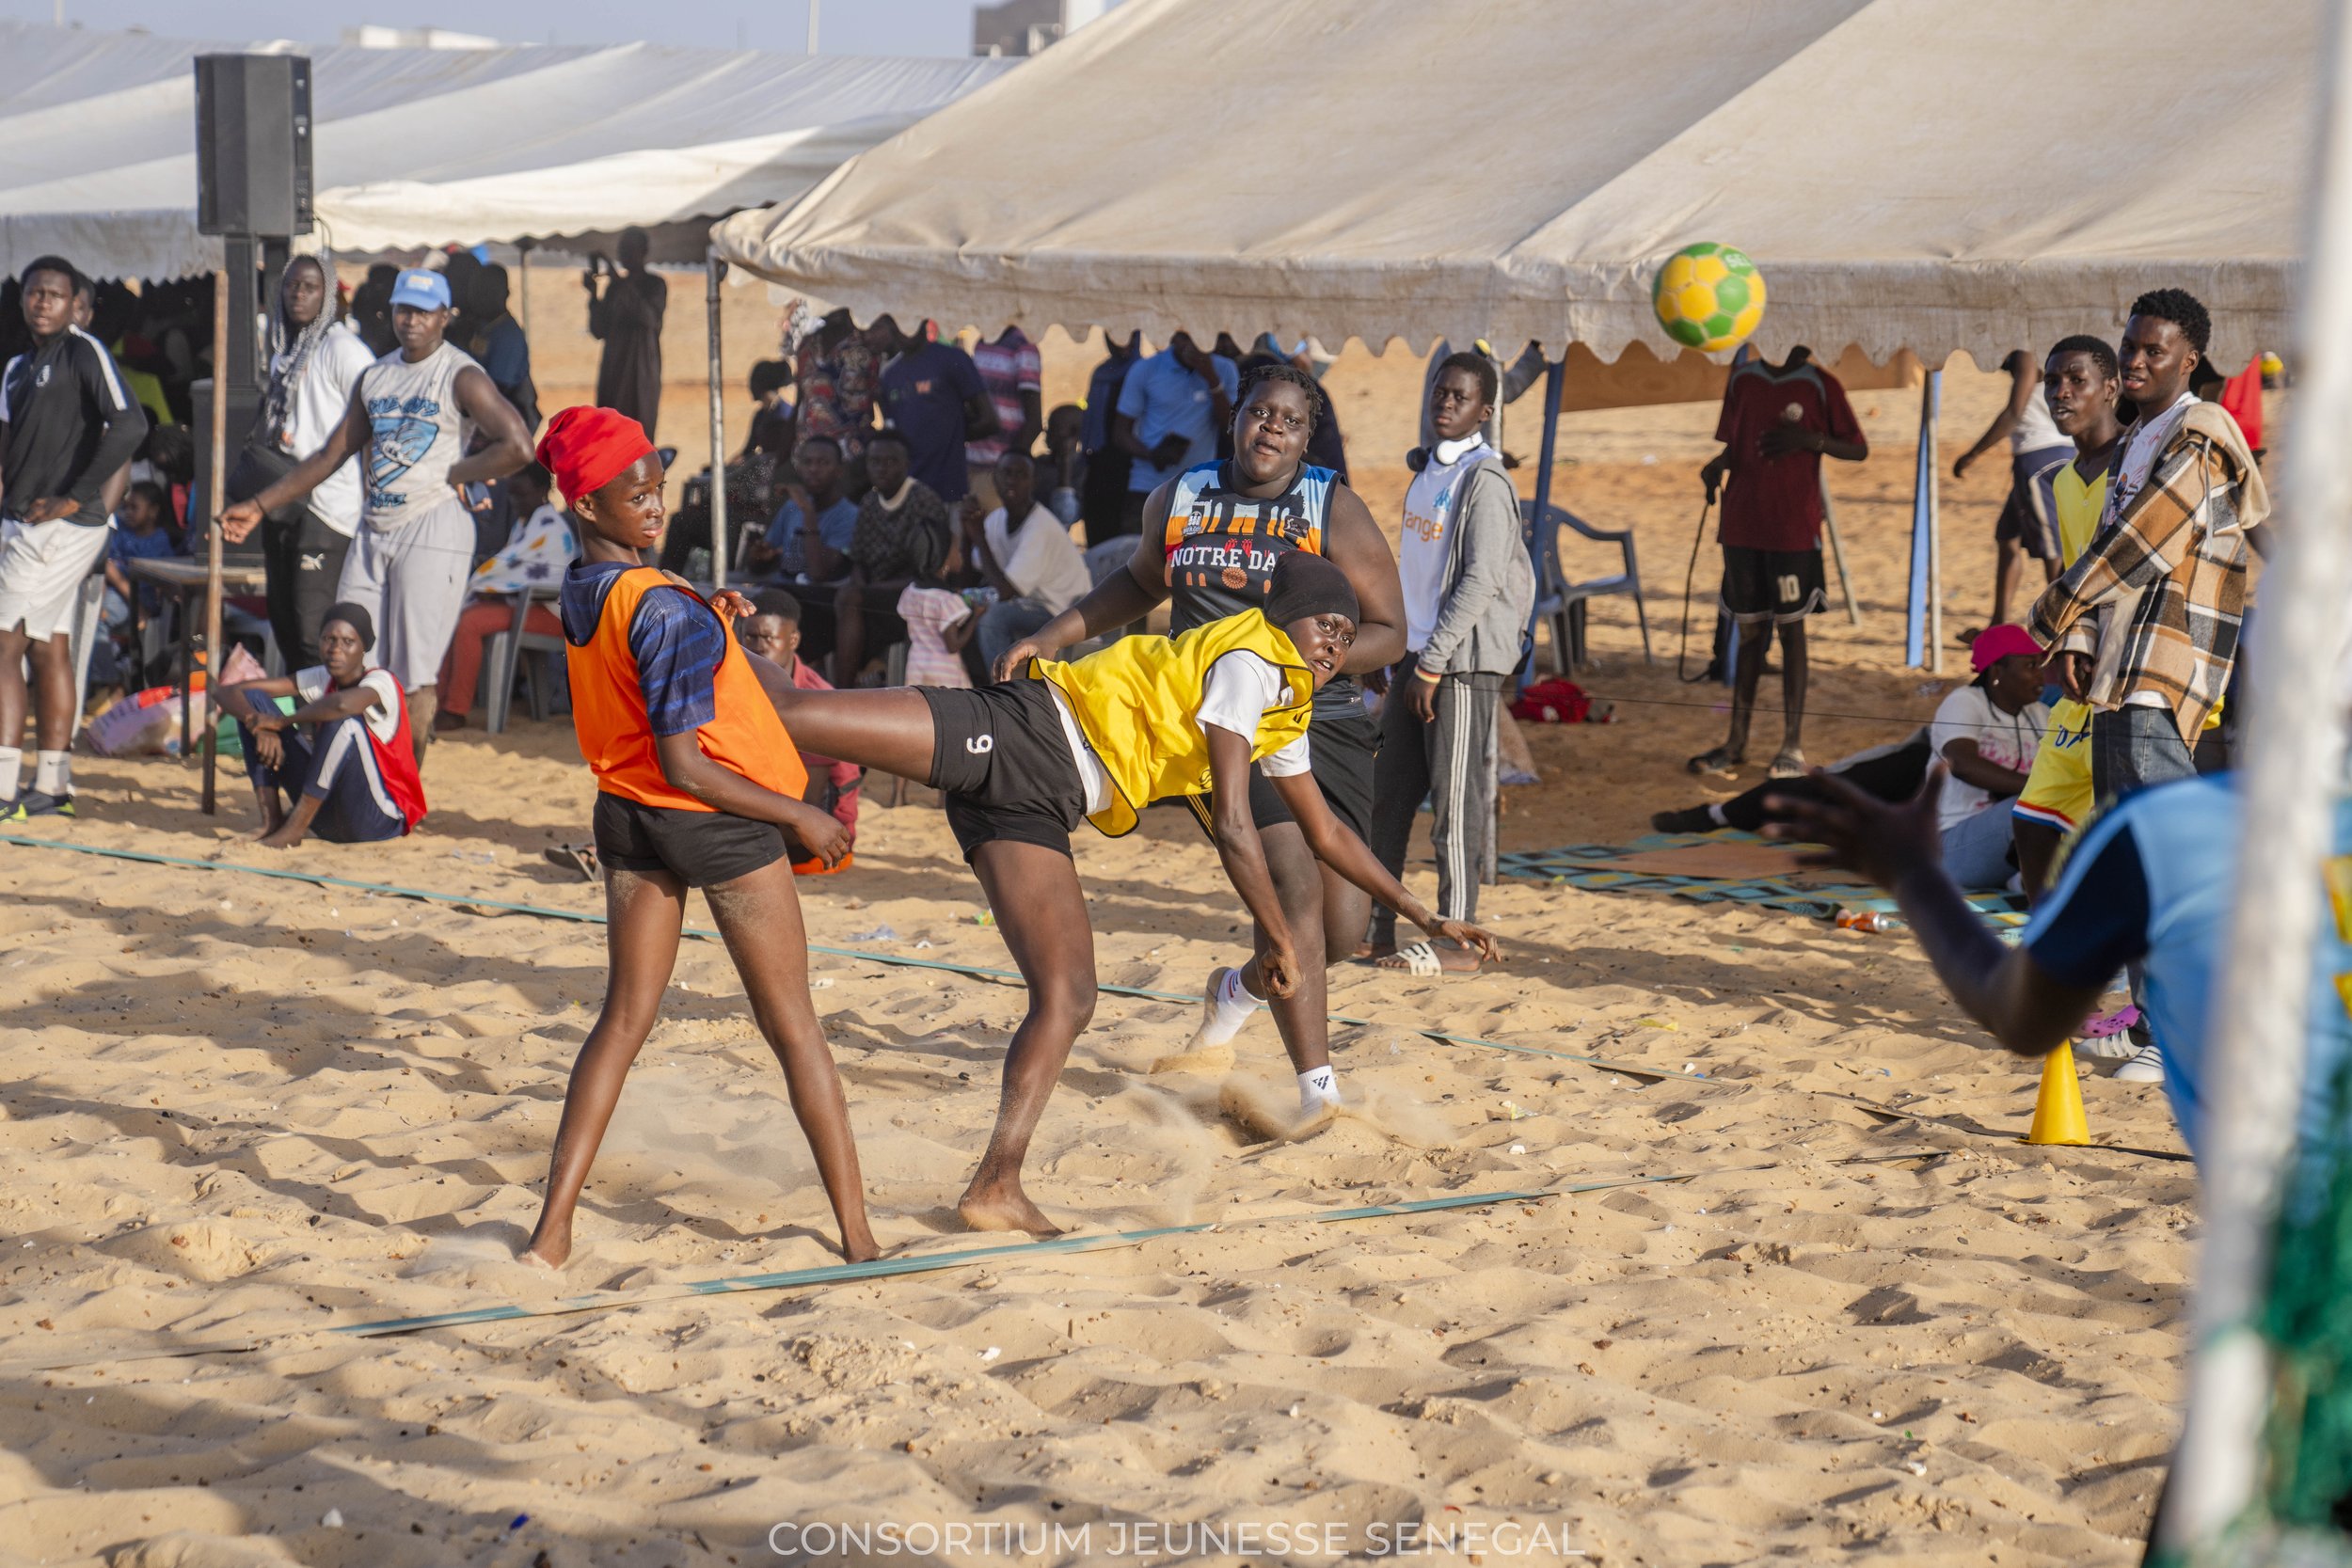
[(421, 146), (1925, 174)]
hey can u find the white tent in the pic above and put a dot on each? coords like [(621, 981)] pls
[(419, 148), (1924, 174)]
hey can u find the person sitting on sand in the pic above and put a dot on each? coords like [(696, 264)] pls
[(697, 784), (1986, 733), (355, 779), (1469, 590), (772, 632), (1146, 718)]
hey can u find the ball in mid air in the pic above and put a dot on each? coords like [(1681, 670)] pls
[(1709, 296)]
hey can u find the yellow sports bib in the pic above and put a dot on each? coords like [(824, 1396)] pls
[(1137, 701)]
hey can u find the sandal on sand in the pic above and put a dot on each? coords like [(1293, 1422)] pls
[(581, 858), (1789, 764), (1421, 961), (1721, 762)]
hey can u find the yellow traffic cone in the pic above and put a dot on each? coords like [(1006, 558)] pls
[(2057, 1111)]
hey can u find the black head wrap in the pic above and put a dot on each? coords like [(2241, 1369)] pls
[(1305, 585)]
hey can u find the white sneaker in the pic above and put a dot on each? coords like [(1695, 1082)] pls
[(2146, 1066)]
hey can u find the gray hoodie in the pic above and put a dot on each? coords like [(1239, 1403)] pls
[(1489, 582)]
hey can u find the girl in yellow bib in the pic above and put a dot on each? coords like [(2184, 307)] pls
[(1146, 718)]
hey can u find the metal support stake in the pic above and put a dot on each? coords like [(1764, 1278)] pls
[(717, 269)]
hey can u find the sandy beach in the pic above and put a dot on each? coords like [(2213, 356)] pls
[(240, 1114)]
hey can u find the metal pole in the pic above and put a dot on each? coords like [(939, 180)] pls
[(717, 269), (1927, 465), (522, 285), (1540, 542), (812, 24), (2291, 779), (1838, 551), (1916, 613), (215, 502)]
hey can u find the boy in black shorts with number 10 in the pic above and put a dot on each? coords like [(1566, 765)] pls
[(1778, 422)]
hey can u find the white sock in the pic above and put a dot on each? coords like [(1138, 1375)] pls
[(11, 769), (1714, 815), (53, 772), (1318, 1089), (1230, 1005)]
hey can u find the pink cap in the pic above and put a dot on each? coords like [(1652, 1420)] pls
[(1996, 643)]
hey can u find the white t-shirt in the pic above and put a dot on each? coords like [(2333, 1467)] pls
[(2035, 431), (317, 405), (1421, 557), (2009, 739), (1040, 561), (1241, 687), (383, 718)]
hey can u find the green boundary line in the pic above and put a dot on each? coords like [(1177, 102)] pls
[(882, 1268), (547, 911)]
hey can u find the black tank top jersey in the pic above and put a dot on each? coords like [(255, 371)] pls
[(1221, 549)]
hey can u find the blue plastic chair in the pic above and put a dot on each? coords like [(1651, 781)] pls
[(1563, 602)]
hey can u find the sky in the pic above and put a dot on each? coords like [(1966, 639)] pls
[(845, 27)]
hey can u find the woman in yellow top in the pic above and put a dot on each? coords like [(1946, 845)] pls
[(1146, 718)]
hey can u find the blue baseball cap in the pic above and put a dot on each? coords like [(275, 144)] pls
[(425, 291)]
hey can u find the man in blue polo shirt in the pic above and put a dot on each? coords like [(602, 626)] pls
[(931, 393), (1170, 408)]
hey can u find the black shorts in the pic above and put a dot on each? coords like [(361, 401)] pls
[(1773, 585), (2030, 514), (1002, 758), (1341, 748), (701, 849)]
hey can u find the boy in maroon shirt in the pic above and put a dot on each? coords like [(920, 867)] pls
[(1778, 422)]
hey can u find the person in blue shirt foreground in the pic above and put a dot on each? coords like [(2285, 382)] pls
[(2151, 881)]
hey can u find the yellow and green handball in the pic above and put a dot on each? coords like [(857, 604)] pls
[(1709, 296)]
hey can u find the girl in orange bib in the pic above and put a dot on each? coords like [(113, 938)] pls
[(696, 781)]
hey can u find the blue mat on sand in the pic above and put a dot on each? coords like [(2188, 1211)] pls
[(1574, 866)]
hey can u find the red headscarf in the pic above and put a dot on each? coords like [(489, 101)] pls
[(587, 448)]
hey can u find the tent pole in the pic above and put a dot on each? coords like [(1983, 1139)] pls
[(717, 269), (522, 285), (1539, 546), (1916, 595), (215, 503), (1927, 465), (1837, 552), (2292, 778)]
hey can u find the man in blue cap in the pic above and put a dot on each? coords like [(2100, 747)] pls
[(414, 413)]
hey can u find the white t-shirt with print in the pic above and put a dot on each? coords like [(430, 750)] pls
[(2009, 739), (1241, 687), (383, 718)]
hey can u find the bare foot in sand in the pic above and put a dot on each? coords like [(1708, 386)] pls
[(1005, 1208), (550, 1253)]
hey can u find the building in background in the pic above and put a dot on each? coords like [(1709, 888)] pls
[(1028, 26), (368, 35)]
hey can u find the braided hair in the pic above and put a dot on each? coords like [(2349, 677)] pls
[(1260, 375)]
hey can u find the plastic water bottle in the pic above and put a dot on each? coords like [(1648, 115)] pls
[(1871, 919)]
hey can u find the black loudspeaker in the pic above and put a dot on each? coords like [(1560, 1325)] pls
[(252, 144)]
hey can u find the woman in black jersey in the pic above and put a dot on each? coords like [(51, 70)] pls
[(1211, 538)]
